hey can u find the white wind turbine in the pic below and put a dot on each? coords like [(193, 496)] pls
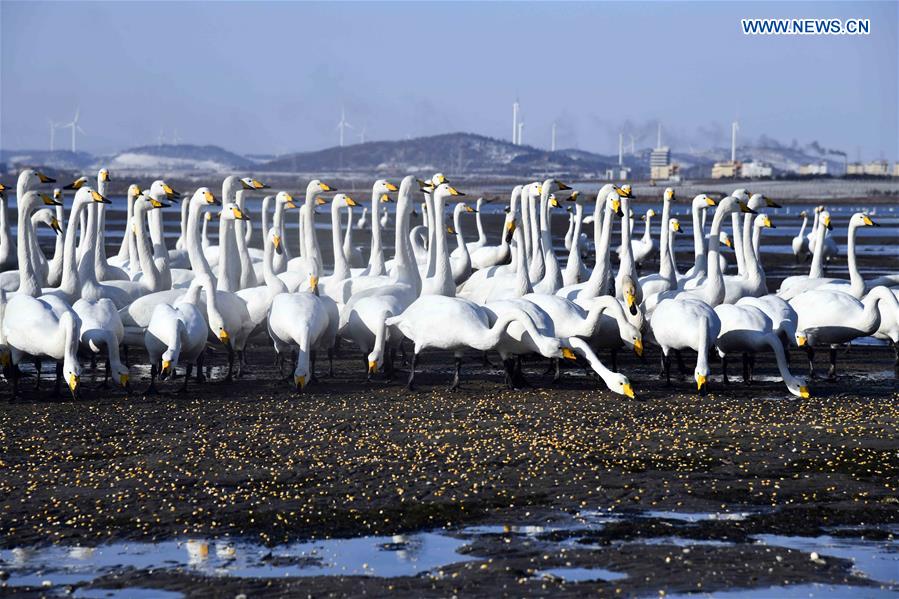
[(53, 125), (362, 135), (74, 126), (343, 125)]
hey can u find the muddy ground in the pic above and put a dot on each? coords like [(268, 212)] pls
[(255, 460)]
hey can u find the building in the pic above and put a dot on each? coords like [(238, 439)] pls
[(896, 170), (814, 169), (618, 173), (726, 170), (855, 168), (755, 170), (660, 166), (877, 168)]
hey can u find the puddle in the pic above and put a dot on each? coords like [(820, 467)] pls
[(399, 555), (877, 560), (685, 542), (696, 516), (798, 591), (129, 593), (581, 574)]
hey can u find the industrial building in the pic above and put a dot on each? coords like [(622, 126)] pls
[(813, 169)]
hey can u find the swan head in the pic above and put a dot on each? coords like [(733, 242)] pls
[(375, 360), (438, 179), (342, 200), (741, 194), (703, 200), (862, 220), (554, 201), (133, 191), (613, 201), (763, 221), (701, 379), (510, 227), (251, 183), (103, 176), (724, 238), (285, 199), (446, 190), (48, 218), (463, 206), (759, 200), (275, 240), (73, 379), (618, 383), (231, 211), (797, 386), (300, 381), (649, 214), (825, 220), (625, 191), (316, 187), (383, 186), (803, 214), (674, 226), (629, 290), (120, 374), (77, 184), (669, 194)]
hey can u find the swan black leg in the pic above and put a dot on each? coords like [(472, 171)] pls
[(810, 352), (183, 387), (747, 376), (230, 377), (455, 385), (152, 390), (410, 385), (37, 373), (751, 368), (124, 352), (331, 363), (57, 386), (614, 360), (724, 378), (200, 360), (240, 363), (365, 366), (666, 366), (682, 368), (312, 377), (832, 371), (14, 379), (487, 361), (509, 367), (557, 374), (391, 368), (896, 363)]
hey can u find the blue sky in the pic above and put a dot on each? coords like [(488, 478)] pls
[(271, 77)]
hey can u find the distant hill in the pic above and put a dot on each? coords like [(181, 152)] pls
[(458, 153), (57, 159), (178, 158)]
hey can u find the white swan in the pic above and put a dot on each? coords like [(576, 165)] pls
[(301, 322), (686, 324), (259, 299), (101, 331), (697, 272), (309, 258), (177, 333), (31, 327), (666, 278), (746, 328), (828, 317), (29, 180), (753, 282), (105, 271), (352, 253), (796, 284), (575, 269), (385, 217), (494, 255), (644, 247), (552, 274), (360, 224), (799, 244), (461, 263), (482, 236), (379, 192), (456, 324), (854, 286)]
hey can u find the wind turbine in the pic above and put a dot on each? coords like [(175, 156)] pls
[(343, 125), (362, 135), (734, 127), (520, 132), (552, 147), (53, 126), (74, 126)]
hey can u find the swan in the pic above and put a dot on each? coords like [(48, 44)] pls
[(626, 266), (552, 274), (697, 272), (309, 258), (54, 266), (800, 242), (283, 202), (783, 317), (385, 217), (259, 299), (496, 283), (101, 331), (452, 323), (329, 285), (796, 284), (176, 333), (494, 255), (889, 328), (746, 328), (575, 269), (829, 246), (460, 265), (855, 286), (646, 246), (353, 254), (105, 271), (127, 254), (482, 236), (686, 323), (32, 327), (302, 322), (379, 192), (42, 268), (229, 267), (441, 282), (28, 180), (830, 317), (608, 202), (753, 281), (7, 246), (363, 318), (207, 216), (666, 278), (360, 224)]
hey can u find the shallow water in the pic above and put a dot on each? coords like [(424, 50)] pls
[(581, 574), (799, 591), (877, 560), (400, 555)]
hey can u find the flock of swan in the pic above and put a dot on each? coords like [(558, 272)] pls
[(513, 297)]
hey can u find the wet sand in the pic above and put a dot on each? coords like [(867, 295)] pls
[(256, 461)]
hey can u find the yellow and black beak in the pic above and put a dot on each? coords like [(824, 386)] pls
[(313, 282), (326, 187), (745, 209), (455, 192), (616, 208), (73, 381), (803, 392), (700, 382), (300, 382), (768, 223), (210, 198), (469, 209), (562, 186), (104, 176), (238, 214), (372, 367), (350, 201), (320, 201), (638, 346), (510, 231), (630, 299), (169, 192), (76, 184), (568, 354), (166, 369), (124, 381), (54, 224), (728, 242), (771, 203), (450, 231), (385, 199), (801, 340), (95, 195), (44, 178), (276, 243), (827, 223), (624, 191), (553, 201), (257, 184), (709, 201), (391, 187), (224, 337), (676, 226), (628, 391), (48, 201), (868, 222)]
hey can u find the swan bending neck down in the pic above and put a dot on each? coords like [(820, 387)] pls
[(686, 323), (177, 332)]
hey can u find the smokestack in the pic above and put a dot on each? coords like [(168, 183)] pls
[(734, 127), (553, 146), (659, 136), (515, 140)]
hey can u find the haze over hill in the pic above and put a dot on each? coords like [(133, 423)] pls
[(463, 154)]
